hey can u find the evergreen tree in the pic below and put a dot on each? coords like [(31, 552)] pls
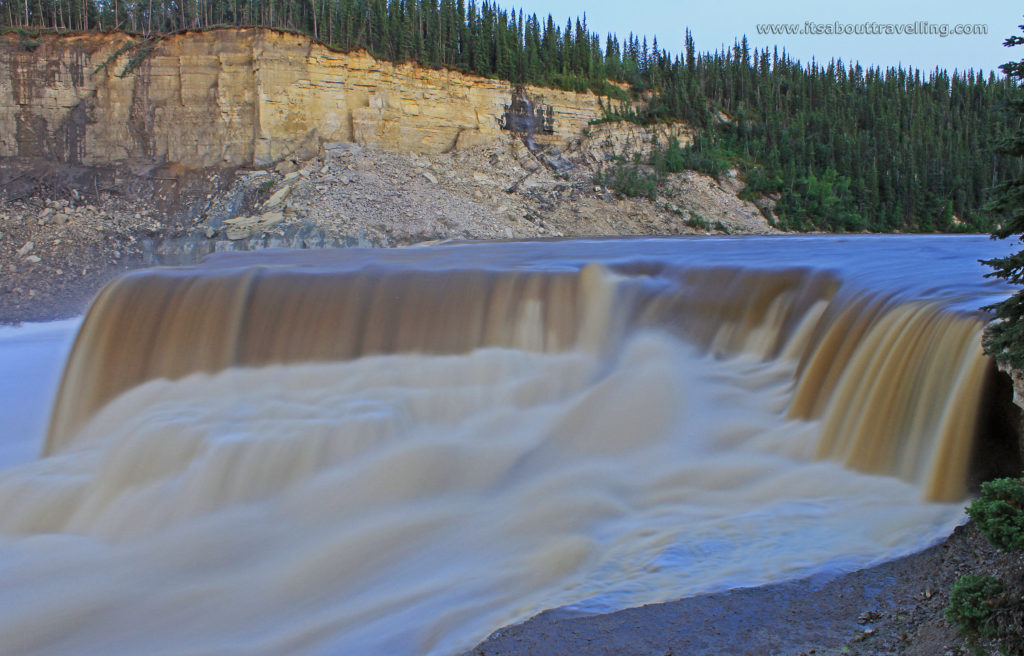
[(834, 145), (1005, 336)]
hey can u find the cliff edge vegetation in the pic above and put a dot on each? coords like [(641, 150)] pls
[(831, 146)]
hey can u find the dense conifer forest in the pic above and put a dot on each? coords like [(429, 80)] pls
[(829, 146)]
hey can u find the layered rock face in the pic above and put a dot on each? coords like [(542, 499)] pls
[(243, 97)]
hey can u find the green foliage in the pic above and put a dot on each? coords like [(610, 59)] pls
[(671, 160), (609, 90), (480, 38), (824, 202), (971, 605), (27, 38), (125, 47), (999, 513), (141, 52), (704, 154), (697, 221), (984, 607), (24, 34), (623, 111), (630, 180), (1004, 337), (984, 610), (876, 149), (839, 146)]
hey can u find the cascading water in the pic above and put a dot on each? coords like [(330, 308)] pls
[(397, 453)]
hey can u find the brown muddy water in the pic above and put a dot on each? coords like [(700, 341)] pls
[(400, 451)]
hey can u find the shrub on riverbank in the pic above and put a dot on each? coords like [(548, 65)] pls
[(985, 609), (637, 176), (999, 513), (971, 603)]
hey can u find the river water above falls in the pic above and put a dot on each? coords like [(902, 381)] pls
[(398, 452)]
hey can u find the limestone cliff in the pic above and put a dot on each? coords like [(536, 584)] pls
[(242, 97)]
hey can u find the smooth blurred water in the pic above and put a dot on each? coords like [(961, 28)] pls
[(31, 360), (942, 267), (411, 502)]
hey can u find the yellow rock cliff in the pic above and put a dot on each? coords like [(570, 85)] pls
[(243, 97)]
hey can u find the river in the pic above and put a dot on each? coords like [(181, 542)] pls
[(400, 451)]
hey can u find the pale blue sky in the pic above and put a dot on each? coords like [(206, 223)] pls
[(714, 22)]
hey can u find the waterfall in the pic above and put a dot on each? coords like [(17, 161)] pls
[(399, 452), (897, 384)]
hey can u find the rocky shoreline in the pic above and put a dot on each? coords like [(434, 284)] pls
[(895, 608)]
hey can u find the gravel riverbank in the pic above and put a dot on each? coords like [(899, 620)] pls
[(895, 608)]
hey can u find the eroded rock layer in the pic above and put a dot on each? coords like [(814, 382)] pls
[(242, 97)]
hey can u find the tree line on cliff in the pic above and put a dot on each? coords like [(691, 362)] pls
[(833, 146), (841, 147)]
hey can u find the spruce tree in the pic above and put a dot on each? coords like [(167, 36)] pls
[(1005, 336), (896, 149)]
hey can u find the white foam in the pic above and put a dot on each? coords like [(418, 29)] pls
[(411, 504), (31, 360)]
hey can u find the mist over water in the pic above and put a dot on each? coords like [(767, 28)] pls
[(399, 453), (31, 360)]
